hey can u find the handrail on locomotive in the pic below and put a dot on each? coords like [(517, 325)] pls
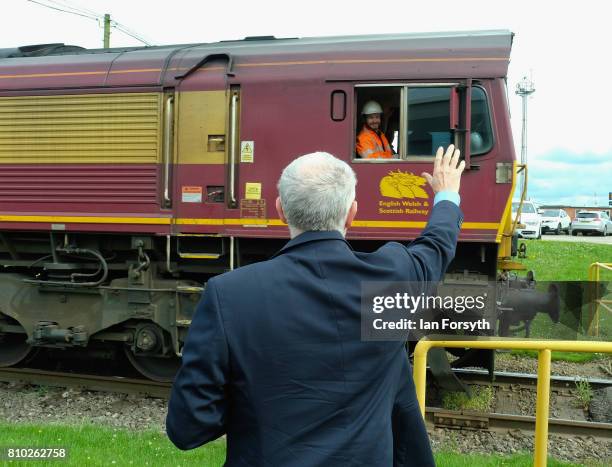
[(520, 168)]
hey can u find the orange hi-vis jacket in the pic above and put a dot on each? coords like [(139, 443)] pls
[(372, 145)]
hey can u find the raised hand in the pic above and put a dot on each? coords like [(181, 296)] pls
[(447, 170)]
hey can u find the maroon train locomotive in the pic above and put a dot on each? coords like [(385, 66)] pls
[(129, 176)]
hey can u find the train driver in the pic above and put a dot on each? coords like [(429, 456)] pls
[(371, 141)]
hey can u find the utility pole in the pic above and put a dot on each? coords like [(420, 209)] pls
[(524, 89), (107, 26)]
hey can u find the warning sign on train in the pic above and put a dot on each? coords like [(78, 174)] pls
[(247, 151), (191, 194), (252, 190)]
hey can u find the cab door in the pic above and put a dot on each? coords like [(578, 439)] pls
[(201, 192)]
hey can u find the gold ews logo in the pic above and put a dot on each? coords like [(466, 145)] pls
[(403, 185)]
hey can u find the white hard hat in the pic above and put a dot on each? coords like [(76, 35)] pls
[(371, 107)]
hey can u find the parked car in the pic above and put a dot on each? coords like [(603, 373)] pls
[(596, 222), (530, 218), (555, 220)]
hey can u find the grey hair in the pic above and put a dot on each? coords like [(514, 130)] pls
[(316, 192)]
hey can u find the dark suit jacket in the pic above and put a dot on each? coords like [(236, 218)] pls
[(274, 357)]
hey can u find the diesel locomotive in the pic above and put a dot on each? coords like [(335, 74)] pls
[(129, 176)]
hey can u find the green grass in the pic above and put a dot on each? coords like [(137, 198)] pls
[(92, 445), (451, 459), (481, 400), (575, 357), (583, 393), (565, 261), (95, 445)]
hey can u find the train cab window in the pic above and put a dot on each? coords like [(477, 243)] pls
[(416, 120), (481, 135), (428, 120), (378, 140)]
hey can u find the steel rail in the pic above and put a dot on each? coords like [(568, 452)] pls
[(502, 422), (506, 378), (86, 382), (155, 389)]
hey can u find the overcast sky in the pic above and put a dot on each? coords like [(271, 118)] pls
[(564, 45)]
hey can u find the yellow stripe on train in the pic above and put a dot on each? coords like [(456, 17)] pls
[(221, 221)]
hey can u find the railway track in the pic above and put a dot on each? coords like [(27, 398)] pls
[(86, 382), (503, 422), (435, 416), (527, 380)]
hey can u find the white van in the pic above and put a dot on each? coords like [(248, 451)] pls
[(530, 218)]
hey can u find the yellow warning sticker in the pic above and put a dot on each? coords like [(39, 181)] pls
[(247, 151), (252, 191)]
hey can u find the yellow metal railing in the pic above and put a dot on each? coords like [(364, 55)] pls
[(594, 302), (544, 349)]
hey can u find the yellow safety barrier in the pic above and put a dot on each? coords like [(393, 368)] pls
[(594, 304), (544, 348)]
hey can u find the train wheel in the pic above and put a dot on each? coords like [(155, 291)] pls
[(161, 369), (13, 349)]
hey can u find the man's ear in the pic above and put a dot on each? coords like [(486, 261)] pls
[(351, 215), (279, 210)]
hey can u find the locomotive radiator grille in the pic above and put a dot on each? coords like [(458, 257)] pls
[(79, 148)]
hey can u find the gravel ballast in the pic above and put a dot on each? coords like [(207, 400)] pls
[(514, 363), (32, 404)]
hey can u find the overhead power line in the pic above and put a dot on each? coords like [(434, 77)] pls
[(72, 7), (129, 32), (64, 11), (66, 7)]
